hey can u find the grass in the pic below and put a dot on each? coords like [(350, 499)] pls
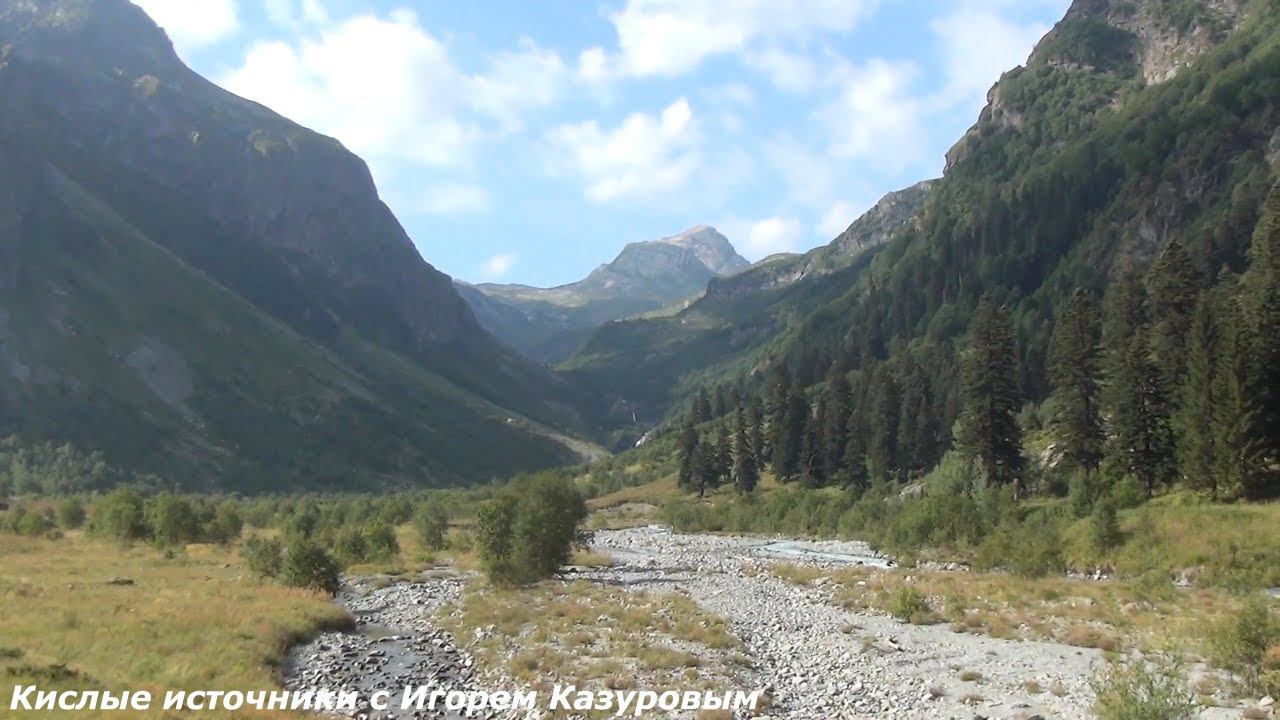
[(593, 635), (195, 621)]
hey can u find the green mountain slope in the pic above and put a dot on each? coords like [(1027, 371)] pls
[(201, 288), (548, 324)]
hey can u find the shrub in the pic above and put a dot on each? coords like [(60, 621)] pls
[(908, 605), (172, 520), (226, 524), (349, 545), (1241, 644), (1105, 526), (1137, 690), (528, 532), (307, 565), (33, 524), (121, 516), (431, 523), (262, 555), (380, 541), (71, 514)]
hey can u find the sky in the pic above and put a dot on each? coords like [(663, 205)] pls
[(530, 141)]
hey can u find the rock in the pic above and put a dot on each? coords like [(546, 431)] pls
[(120, 581)]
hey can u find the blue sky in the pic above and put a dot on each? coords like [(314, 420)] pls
[(529, 141)]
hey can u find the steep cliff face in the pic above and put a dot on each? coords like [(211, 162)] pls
[(156, 228), (652, 276)]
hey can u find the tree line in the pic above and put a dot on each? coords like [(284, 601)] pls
[(1171, 378)]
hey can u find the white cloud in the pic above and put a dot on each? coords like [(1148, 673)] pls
[(837, 219), (454, 198), (295, 14), (672, 37), (192, 25), (646, 155), (499, 265), (390, 91), (789, 71), (978, 44), (757, 239), (875, 114)]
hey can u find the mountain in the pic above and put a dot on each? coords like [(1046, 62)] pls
[(205, 290), (1132, 124), (646, 364), (548, 323)]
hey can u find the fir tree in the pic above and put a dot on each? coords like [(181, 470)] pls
[(687, 453), (1174, 286), (1141, 443), (882, 441), (1235, 468), (701, 407), (813, 465), (1193, 421), (755, 432), (1125, 318), (746, 472), (1075, 421), (989, 431), (1261, 302), (916, 436), (837, 400), (788, 439)]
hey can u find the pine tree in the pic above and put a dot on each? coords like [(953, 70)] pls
[(775, 407), (1261, 302), (1174, 286), (1125, 317), (989, 431), (915, 440), (755, 432), (746, 473), (1194, 419), (837, 400), (813, 467), (882, 421), (701, 407), (1236, 468), (788, 440), (1141, 443), (687, 453), (1076, 422)]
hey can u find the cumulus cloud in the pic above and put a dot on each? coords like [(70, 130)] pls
[(389, 89), (672, 37), (757, 239), (194, 25), (454, 198), (295, 14), (979, 42), (875, 114), (838, 218), (499, 265), (644, 156)]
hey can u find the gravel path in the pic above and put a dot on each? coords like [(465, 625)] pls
[(826, 662)]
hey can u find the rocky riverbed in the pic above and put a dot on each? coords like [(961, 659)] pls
[(816, 660), (824, 662)]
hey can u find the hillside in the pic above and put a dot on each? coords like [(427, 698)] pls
[(1131, 125), (203, 289), (547, 324)]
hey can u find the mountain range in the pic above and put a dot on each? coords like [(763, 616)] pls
[(547, 324), (207, 291)]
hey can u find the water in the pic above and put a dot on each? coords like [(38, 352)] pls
[(794, 549)]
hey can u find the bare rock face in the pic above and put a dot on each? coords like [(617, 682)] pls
[(1167, 41)]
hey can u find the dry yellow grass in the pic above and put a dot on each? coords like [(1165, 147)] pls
[(193, 621)]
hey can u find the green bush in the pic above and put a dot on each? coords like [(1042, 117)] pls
[(909, 605), (121, 516), (71, 514), (1241, 644), (380, 541), (1105, 526), (528, 532), (226, 524), (307, 565), (349, 545), (431, 523), (262, 555), (173, 520), (1139, 690)]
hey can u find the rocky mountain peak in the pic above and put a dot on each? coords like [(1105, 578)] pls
[(712, 248)]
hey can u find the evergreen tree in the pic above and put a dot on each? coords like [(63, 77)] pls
[(1194, 419), (1261, 301), (989, 431), (1174, 286), (755, 432), (1075, 422), (882, 421), (1125, 317), (687, 453), (701, 407), (916, 436), (837, 401), (746, 471), (775, 408), (788, 439), (813, 466), (1236, 468), (1141, 439)]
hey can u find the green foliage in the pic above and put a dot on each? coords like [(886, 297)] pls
[(527, 532), (431, 522), (1074, 372), (1241, 643), (380, 541), (121, 515), (1105, 526), (308, 565), (172, 520), (989, 431), (71, 513), (263, 555), (910, 606), (1152, 689), (227, 523)]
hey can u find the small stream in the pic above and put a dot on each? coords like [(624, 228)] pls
[(797, 549)]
